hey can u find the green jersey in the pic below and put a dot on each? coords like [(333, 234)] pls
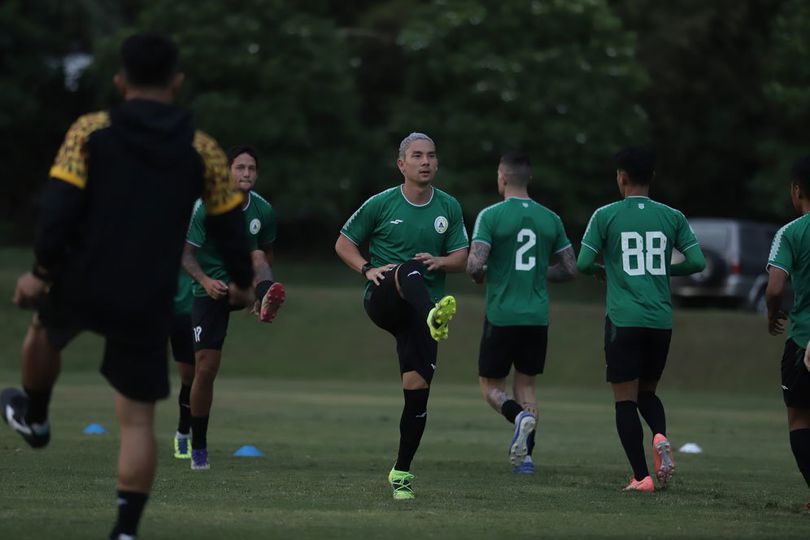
[(398, 229), (790, 251), (260, 221), (636, 237), (523, 235), (182, 300)]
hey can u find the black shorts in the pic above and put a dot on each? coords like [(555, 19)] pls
[(137, 367), (795, 377), (501, 346), (635, 353), (182, 339), (209, 322), (416, 349)]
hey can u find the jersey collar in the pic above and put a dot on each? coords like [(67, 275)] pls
[(432, 193), (249, 197)]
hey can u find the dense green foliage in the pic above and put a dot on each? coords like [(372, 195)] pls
[(327, 89)]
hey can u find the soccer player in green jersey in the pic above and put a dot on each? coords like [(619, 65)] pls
[(182, 343), (210, 310), (790, 257), (512, 244), (635, 237), (108, 242), (416, 234)]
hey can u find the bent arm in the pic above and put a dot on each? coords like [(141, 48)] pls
[(586, 262), (694, 262), (477, 261), (60, 208), (455, 261), (349, 253), (191, 265), (565, 269), (227, 231)]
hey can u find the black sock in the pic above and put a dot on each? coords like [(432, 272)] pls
[(530, 442), (800, 444), (261, 289), (632, 436), (37, 406), (199, 432), (413, 289), (510, 409), (652, 410), (411, 426), (183, 400), (130, 508)]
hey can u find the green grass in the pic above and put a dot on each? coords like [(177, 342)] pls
[(318, 392), (329, 446)]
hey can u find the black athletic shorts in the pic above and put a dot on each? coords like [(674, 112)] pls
[(635, 352), (182, 339), (209, 322), (502, 346), (795, 377), (416, 349), (135, 366)]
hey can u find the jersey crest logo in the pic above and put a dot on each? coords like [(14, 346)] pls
[(440, 224), (641, 206), (255, 226)]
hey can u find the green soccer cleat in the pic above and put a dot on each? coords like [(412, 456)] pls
[(182, 446), (440, 316), (401, 482)]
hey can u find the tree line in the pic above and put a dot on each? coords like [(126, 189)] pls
[(326, 90)]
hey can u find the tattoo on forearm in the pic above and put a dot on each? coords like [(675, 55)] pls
[(565, 269), (191, 266), (477, 260)]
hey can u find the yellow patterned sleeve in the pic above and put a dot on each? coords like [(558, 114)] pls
[(71, 162), (219, 195)]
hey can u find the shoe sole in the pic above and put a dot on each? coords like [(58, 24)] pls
[(440, 316), (200, 467), (666, 468), (7, 412), (272, 302), (518, 448)]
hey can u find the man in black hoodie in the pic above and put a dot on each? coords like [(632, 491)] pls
[(109, 236)]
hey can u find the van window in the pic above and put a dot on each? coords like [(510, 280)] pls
[(714, 236)]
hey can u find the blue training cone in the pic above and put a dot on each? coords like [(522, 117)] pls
[(94, 429), (248, 451)]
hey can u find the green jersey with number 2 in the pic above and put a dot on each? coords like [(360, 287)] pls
[(635, 237), (523, 235)]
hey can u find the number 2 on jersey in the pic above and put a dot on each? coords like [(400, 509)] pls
[(522, 262), (638, 258)]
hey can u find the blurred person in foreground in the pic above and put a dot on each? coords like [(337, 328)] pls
[(109, 237)]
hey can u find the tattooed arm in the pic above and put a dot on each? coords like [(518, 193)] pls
[(566, 267), (477, 261)]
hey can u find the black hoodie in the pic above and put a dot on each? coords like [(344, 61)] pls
[(113, 218)]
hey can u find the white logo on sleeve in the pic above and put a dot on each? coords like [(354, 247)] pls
[(440, 224), (395, 221), (197, 333), (255, 226)]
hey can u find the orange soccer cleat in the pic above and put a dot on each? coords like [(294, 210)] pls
[(664, 463)]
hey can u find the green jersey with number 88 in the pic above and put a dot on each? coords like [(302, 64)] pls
[(523, 235), (635, 237)]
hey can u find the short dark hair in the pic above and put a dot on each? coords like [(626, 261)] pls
[(517, 167), (638, 162), (800, 174), (236, 151), (149, 59)]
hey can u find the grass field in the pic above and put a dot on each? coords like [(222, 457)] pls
[(317, 391)]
